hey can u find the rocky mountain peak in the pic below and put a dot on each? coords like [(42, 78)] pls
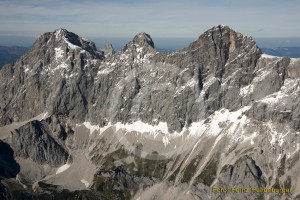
[(72, 38), (141, 42), (67, 41), (143, 39), (58, 50), (107, 50), (223, 37), (221, 47), (60, 33)]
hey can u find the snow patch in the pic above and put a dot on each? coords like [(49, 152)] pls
[(104, 71), (82, 51), (250, 137), (58, 33), (294, 60), (279, 156), (142, 127), (103, 129), (92, 128), (261, 75), (232, 122), (45, 116), (139, 49), (268, 56), (166, 140), (58, 53), (197, 128), (85, 182), (276, 137), (61, 66), (192, 83), (273, 98), (72, 46), (63, 168), (26, 68), (246, 90)]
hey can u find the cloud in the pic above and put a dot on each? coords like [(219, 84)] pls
[(159, 18)]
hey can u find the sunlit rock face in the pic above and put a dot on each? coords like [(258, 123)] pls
[(215, 120)]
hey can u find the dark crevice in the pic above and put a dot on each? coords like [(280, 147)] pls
[(8, 165)]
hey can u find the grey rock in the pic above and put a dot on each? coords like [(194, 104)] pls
[(241, 180), (221, 72), (107, 50), (76, 90), (34, 141)]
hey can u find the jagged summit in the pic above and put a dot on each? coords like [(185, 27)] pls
[(58, 53), (224, 37), (140, 42), (107, 50), (60, 33), (143, 39), (221, 46), (63, 34), (67, 41)]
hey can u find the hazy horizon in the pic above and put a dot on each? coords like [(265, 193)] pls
[(169, 18), (172, 24), (160, 43)]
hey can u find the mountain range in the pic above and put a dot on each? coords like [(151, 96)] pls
[(215, 120), (10, 54)]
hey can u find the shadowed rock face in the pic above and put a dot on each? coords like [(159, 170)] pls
[(39, 142), (9, 167), (142, 124)]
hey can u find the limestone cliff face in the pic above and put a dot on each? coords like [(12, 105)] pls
[(63, 73), (139, 123)]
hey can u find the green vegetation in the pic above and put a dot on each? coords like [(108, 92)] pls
[(191, 169), (154, 165), (110, 188), (115, 180), (15, 191), (209, 172), (109, 159), (175, 173)]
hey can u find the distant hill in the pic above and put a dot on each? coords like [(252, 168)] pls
[(11, 54), (293, 52)]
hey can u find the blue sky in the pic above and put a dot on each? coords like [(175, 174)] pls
[(159, 18)]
